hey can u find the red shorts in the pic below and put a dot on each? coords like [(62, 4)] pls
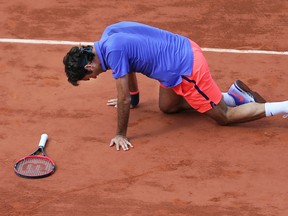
[(199, 89)]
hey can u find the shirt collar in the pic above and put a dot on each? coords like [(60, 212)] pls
[(98, 51)]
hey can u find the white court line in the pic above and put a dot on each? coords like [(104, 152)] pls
[(55, 42), (50, 42)]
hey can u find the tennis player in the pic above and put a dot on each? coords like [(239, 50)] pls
[(177, 63)]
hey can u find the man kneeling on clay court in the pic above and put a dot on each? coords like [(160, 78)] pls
[(177, 63)]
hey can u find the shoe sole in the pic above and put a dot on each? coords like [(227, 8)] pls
[(257, 97)]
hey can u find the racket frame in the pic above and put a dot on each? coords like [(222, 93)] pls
[(40, 149)]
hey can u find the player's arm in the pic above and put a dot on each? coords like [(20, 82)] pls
[(123, 111), (134, 92), (123, 104), (133, 88)]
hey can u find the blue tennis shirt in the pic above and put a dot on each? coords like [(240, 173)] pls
[(134, 47)]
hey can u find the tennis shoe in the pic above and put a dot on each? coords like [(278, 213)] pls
[(243, 94)]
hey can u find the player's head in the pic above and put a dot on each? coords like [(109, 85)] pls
[(75, 61)]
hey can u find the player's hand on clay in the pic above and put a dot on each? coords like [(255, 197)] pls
[(121, 142), (112, 102)]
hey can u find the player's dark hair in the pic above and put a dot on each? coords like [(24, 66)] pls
[(74, 62)]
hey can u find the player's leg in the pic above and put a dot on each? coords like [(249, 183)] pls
[(199, 89), (225, 115), (205, 96), (170, 102), (247, 112)]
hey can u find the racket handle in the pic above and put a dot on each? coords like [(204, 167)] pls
[(43, 140)]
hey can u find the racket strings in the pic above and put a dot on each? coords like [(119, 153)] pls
[(35, 166)]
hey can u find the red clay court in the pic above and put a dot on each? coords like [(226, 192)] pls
[(181, 164)]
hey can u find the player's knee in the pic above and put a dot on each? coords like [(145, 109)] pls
[(221, 114), (222, 121), (221, 118), (167, 109)]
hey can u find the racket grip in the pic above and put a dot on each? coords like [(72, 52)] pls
[(43, 140)]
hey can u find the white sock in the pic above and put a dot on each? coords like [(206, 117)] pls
[(229, 100), (276, 108)]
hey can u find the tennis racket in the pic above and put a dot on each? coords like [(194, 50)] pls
[(34, 165)]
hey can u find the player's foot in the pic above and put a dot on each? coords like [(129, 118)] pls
[(243, 94), (257, 97)]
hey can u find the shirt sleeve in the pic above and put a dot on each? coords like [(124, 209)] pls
[(119, 63)]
